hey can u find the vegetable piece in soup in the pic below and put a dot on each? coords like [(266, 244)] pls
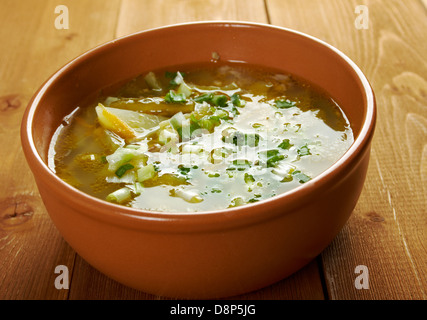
[(200, 138)]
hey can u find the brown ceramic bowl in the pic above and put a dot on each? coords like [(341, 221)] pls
[(211, 254)]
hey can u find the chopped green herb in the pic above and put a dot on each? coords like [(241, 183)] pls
[(284, 104), (285, 145), (304, 151), (156, 165), (183, 170), (173, 97), (271, 157), (204, 97), (249, 179), (220, 114), (209, 122), (185, 127), (213, 175), (240, 139), (194, 123), (234, 110), (240, 165), (301, 177), (219, 100), (271, 162), (176, 78), (237, 101), (122, 170)]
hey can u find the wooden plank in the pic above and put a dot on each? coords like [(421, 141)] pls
[(32, 49), (305, 284), (387, 230), (88, 283), (141, 15), (136, 15)]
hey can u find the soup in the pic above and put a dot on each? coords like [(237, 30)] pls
[(200, 138)]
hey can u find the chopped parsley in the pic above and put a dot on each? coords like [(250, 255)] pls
[(240, 165), (123, 169), (271, 157), (240, 139), (285, 144), (284, 104), (173, 97), (237, 101), (301, 177), (304, 151)]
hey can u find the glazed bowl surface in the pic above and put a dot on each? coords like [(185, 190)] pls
[(210, 254)]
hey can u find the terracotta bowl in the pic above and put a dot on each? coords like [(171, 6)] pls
[(211, 254)]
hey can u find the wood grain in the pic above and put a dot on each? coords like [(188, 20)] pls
[(88, 283), (136, 15), (30, 246), (387, 230)]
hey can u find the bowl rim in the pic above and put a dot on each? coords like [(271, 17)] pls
[(115, 213)]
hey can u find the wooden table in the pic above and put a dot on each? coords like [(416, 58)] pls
[(385, 240)]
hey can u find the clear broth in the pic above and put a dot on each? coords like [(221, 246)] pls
[(248, 134)]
